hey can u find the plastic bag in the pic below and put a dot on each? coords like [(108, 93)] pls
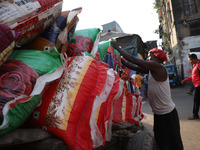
[(104, 49), (48, 38), (32, 25), (84, 40), (23, 78), (7, 42), (67, 105), (65, 36)]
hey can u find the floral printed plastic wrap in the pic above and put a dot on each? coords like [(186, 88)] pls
[(23, 78), (7, 42), (16, 79), (84, 40)]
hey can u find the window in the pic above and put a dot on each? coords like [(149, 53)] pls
[(195, 28), (195, 49), (189, 7)]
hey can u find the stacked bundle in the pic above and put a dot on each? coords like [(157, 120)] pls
[(26, 73), (62, 79)]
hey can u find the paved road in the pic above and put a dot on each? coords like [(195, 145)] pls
[(190, 129)]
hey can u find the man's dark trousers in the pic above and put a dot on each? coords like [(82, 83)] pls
[(196, 101)]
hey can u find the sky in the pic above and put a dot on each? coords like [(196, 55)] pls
[(133, 16)]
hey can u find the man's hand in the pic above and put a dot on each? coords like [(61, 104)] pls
[(183, 81), (115, 45)]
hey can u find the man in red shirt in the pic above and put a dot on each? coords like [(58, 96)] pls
[(195, 77)]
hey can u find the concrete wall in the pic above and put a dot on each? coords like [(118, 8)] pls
[(189, 43)]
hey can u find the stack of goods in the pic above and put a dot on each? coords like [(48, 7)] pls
[(29, 18), (128, 106), (29, 56), (61, 79)]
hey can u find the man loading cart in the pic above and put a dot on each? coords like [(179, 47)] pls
[(166, 120)]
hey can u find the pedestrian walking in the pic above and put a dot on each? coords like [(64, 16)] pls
[(166, 120), (195, 77)]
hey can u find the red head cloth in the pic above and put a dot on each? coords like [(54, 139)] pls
[(159, 53)]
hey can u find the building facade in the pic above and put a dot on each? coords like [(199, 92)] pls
[(180, 31)]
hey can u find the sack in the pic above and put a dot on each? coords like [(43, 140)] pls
[(29, 18), (106, 51), (137, 114), (66, 108), (128, 108), (48, 38), (104, 111), (84, 40), (65, 36), (117, 115), (43, 62), (7, 42), (11, 13), (23, 79)]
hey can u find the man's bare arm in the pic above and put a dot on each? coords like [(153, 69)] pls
[(142, 64), (133, 67)]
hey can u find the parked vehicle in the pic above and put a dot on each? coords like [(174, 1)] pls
[(173, 75)]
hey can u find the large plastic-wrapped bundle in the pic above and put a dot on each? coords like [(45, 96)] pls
[(123, 109), (102, 49), (65, 36), (109, 55), (137, 114), (127, 108), (85, 40), (96, 116), (102, 114), (66, 110), (48, 38), (117, 115), (29, 18), (13, 12), (59, 31), (23, 78), (114, 95), (7, 42)]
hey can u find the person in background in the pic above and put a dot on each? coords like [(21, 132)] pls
[(195, 77), (138, 79), (146, 76), (166, 120)]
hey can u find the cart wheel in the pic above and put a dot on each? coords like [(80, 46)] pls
[(142, 140)]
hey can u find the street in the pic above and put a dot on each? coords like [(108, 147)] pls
[(190, 129)]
